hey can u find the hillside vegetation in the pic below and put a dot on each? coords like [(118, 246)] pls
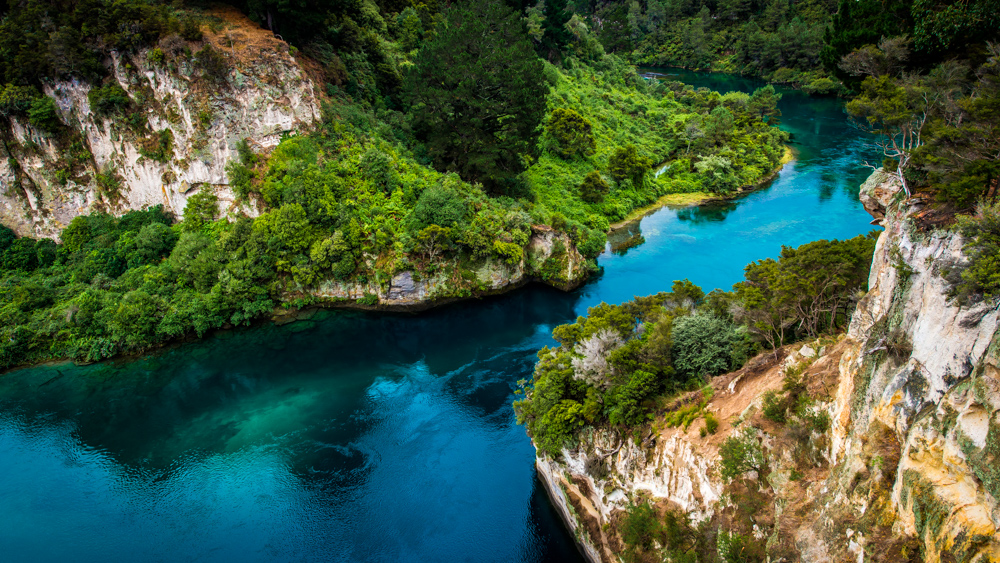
[(401, 175)]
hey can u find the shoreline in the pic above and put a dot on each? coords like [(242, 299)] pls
[(696, 199), (281, 315)]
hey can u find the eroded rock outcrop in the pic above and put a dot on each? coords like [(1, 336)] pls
[(549, 257), (192, 123), (909, 468)]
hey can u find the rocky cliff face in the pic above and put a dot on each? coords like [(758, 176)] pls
[(193, 123), (550, 257), (922, 371), (910, 466)]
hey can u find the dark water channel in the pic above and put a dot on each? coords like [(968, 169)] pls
[(357, 437)]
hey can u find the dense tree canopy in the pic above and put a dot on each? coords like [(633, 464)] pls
[(476, 91)]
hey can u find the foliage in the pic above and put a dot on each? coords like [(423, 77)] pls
[(640, 526), (108, 100), (158, 146), (612, 366), (807, 290), (705, 345), (626, 163), (739, 454), (42, 39), (980, 277), (776, 39), (16, 99), (594, 188), (44, 115), (654, 118), (475, 91), (774, 407), (573, 133)]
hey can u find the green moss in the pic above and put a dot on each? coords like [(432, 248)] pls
[(985, 462), (928, 511)]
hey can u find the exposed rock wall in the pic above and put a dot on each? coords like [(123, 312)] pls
[(924, 368), (46, 180), (911, 463)]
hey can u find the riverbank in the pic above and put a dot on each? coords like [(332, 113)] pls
[(694, 199)]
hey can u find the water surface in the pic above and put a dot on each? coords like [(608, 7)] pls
[(360, 437)]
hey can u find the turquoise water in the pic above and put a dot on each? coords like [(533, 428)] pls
[(361, 437)]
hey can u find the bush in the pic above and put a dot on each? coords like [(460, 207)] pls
[(594, 188), (640, 526), (17, 99), (739, 454), (159, 146), (213, 64), (439, 206), (981, 276), (626, 163), (107, 100), (201, 209), (704, 345), (44, 115), (191, 30), (155, 56), (573, 133), (774, 407), (711, 423)]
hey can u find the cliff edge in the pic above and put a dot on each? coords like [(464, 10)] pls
[(895, 455)]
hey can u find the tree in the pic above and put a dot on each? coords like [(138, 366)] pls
[(476, 92), (200, 210), (703, 345), (739, 454), (764, 104), (626, 162), (594, 188), (438, 205), (573, 132), (432, 240), (44, 115)]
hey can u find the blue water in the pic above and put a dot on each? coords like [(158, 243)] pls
[(362, 437)]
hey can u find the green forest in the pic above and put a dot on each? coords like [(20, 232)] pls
[(403, 174), (452, 132), (621, 364)]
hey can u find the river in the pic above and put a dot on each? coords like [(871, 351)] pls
[(364, 437)]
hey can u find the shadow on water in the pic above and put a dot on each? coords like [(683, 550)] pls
[(714, 212)]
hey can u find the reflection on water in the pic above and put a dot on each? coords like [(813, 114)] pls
[(360, 437), (716, 212)]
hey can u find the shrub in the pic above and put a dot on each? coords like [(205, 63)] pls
[(703, 345), (240, 178), (44, 115), (627, 163), (439, 206), (711, 423), (640, 526), (201, 209), (159, 146), (213, 64), (594, 188), (573, 133), (191, 30), (774, 407), (981, 276), (17, 99), (739, 454), (155, 56), (108, 100)]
